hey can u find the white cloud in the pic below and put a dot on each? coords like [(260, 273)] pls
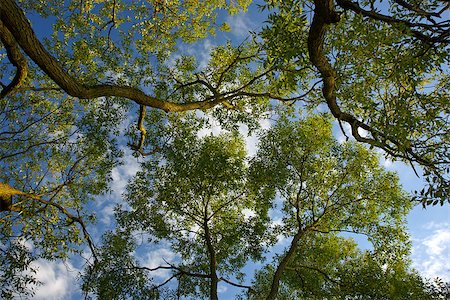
[(58, 280), (107, 214), (431, 254), (123, 173), (438, 242), (434, 225), (159, 257), (240, 24), (362, 132)]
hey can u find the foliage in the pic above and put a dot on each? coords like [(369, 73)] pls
[(204, 200), (194, 197), (115, 275), (84, 81)]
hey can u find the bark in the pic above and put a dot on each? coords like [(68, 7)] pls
[(17, 59), (283, 265), (212, 262), (325, 15), (5, 203), (16, 22), (438, 33)]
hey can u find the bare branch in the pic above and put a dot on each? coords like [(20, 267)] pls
[(237, 285)]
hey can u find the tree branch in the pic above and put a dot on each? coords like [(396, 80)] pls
[(237, 285), (314, 269), (325, 15), (283, 264), (429, 39), (7, 190), (16, 22), (140, 146), (17, 59)]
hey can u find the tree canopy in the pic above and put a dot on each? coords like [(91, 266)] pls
[(83, 82)]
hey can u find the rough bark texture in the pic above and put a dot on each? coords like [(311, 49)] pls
[(325, 15), (212, 262), (16, 58), (282, 266), (16, 22)]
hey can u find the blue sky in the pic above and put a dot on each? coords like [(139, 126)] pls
[(429, 228)]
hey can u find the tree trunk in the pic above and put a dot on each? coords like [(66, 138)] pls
[(282, 266), (212, 263)]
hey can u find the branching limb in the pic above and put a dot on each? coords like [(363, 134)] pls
[(417, 9), (325, 15), (8, 191), (283, 264), (143, 132), (238, 285), (442, 29), (17, 59), (16, 22)]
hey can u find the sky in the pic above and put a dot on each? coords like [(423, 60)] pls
[(429, 228)]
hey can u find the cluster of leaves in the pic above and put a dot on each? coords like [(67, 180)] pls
[(383, 67), (60, 156), (218, 209)]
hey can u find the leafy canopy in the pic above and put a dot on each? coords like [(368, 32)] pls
[(83, 82)]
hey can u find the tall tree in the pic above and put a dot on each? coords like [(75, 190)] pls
[(68, 94), (194, 197), (327, 188), (199, 199)]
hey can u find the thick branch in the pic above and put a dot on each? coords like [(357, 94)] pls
[(16, 22), (283, 265), (17, 59), (441, 38), (325, 15)]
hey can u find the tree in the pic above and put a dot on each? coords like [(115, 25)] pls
[(67, 97), (194, 197), (326, 189), (405, 113)]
